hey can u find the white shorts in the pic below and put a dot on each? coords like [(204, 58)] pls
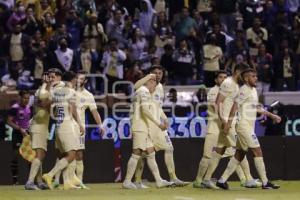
[(228, 140), (246, 138), (39, 136), (210, 142), (81, 138), (67, 139), (161, 140), (141, 140)]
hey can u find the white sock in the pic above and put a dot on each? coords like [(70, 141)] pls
[(153, 166), (261, 169), (59, 166), (79, 169), (72, 169), (231, 167), (131, 167), (240, 173), (139, 170), (66, 174), (213, 163), (169, 160), (246, 169), (57, 175), (203, 165), (35, 166), (39, 175)]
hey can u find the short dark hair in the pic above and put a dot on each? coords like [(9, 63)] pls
[(69, 76), (240, 67), (220, 72), (248, 70), (23, 92), (154, 67), (56, 71)]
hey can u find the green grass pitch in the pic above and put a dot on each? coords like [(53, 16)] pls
[(290, 190)]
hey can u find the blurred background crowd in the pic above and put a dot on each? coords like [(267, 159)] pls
[(121, 39)]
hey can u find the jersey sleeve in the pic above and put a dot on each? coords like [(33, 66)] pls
[(91, 103), (226, 88), (242, 96), (211, 96)]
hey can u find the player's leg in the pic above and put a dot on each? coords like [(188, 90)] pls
[(34, 169), (79, 164), (131, 167), (138, 174), (209, 144), (231, 167), (59, 166), (154, 168), (260, 167)]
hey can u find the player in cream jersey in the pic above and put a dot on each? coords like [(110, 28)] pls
[(64, 111), (141, 114), (246, 103), (39, 134), (161, 139), (225, 99), (84, 100)]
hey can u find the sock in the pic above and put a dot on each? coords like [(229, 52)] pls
[(169, 160), (59, 166), (72, 169), (260, 167), (246, 169), (35, 166), (79, 169), (40, 174), (131, 166), (153, 166), (57, 175), (203, 165), (231, 167), (240, 173), (139, 170), (214, 161), (65, 174)]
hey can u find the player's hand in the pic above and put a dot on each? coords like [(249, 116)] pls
[(23, 132), (82, 131), (163, 127), (226, 127), (166, 122), (277, 119), (101, 130)]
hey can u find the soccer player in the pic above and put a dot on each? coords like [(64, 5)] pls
[(18, 118), (140, 116), (246, 104), (84, 100), (64, 110), (225, 98), (161, 139), (39, 134)]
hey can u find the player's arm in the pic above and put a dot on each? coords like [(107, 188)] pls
[(218, 106), (274, 117), (164, 117), (98, 120), (76, 116), (12, 124), (145, 109), (232, 113)]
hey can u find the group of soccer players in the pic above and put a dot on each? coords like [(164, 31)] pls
[(64, 98), (233, 107)]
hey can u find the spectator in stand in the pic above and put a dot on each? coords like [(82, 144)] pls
[(48, 26), (94, 32), (256, 35), (184, 62), (63, 57), (115, 28), (213, 55), (183, 25), (134, 73), (285, 68), (112, 62), (138, 44), (61, 32), (74, 27), (166, 61), (62, 6), (163, 31), (220, 36), (17, 45), (17, 17), (264, 66), (42, 7), (31, 25), (146, 17)]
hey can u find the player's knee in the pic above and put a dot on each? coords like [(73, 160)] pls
[(169, 150), (71, 155), (257, 152), (239, 155), (137, 152), (150, 150), (79, 156), (220, 151)]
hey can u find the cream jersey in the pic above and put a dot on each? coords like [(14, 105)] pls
[(247, 101), (158, 98), (140, 112), (213, 122), (62, 97), (229, 89), (41, 114), (84, 100)]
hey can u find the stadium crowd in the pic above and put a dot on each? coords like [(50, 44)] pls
[(121, 39)]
